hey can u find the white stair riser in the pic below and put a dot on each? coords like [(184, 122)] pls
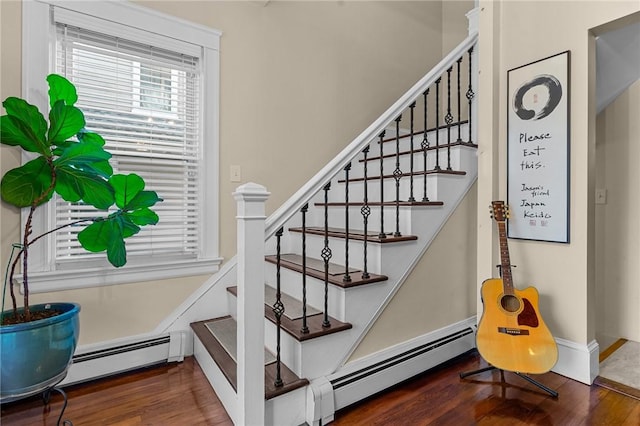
[(307, 358), (315, 245), (291, 284), (336, 214), (404, 163), (277, 411), (336, 218), (356, 190), (300, 357), (389, 147)]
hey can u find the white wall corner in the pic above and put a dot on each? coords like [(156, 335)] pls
[(578, 361), (320, 402)]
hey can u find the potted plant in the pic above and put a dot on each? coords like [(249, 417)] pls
[(38, 341)]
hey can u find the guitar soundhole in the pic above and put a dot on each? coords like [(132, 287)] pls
[(510, 303)]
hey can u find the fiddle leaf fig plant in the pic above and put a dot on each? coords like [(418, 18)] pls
[(72, 162)]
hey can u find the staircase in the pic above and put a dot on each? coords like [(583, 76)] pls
[(312, 279)]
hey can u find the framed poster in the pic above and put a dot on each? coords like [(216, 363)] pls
[(538, 150)]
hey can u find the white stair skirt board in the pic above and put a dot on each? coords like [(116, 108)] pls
[(92, 362), (278, 410), (367, 376), (223, 389)]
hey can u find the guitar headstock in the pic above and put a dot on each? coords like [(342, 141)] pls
[(499, 211)]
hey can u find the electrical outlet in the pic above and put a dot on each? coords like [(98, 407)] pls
[(235, 175)]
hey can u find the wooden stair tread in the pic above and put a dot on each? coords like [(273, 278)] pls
[(418, 149), (294, 326), (372, 237), (385, 203), (419, 173), (337, 280), (429, 130), (228, 366)]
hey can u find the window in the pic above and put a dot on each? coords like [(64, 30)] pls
[(148, 96)]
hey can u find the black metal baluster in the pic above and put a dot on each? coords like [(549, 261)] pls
[(278, 310), (305, 327), (470, 95), (347, 277), (382, 234), (425, 147), (458, 94), (326, 255), (397, 174), (437, 167), (411, 198), (448, 119), (365, 210)]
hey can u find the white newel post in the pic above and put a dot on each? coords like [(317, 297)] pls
[(250, 199)]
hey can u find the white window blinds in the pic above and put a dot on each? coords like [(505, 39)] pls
[(145, 101)]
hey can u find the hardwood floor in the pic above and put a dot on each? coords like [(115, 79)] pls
[(178, 394), (170, 394), (440, 397)]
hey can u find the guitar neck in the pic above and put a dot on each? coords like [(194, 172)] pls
[(505, 262)]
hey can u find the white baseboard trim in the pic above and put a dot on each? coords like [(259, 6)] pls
[(578, 361), (96, 361), (367, 376)]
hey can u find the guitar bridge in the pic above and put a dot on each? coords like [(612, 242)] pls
[(513, 331)]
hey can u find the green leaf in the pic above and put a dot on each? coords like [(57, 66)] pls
[(102, 168), (116, 252), (143, 199), (27, 184), (129, 228), (74, 185), (24, 125), (126, 188), (109, 235), (88, 156), (61, 89), (143, 216), (65, 121), (95, 237), (90, 137)]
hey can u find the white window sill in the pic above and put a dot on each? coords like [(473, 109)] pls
[(45, 282)]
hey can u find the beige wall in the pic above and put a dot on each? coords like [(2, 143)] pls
[(299, 80), (512, 35), (439, 292), (618, 229), (301, 77)]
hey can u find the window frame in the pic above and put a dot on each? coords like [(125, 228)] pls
[(38, 61)]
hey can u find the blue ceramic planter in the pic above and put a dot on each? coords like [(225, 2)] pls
[(36, 355)]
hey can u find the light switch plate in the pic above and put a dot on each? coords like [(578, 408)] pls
[(235, 175)]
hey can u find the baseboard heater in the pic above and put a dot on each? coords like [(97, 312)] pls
[(381, 374), (120, 358)]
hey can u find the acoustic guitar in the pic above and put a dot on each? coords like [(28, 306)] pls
[(511, 334)]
